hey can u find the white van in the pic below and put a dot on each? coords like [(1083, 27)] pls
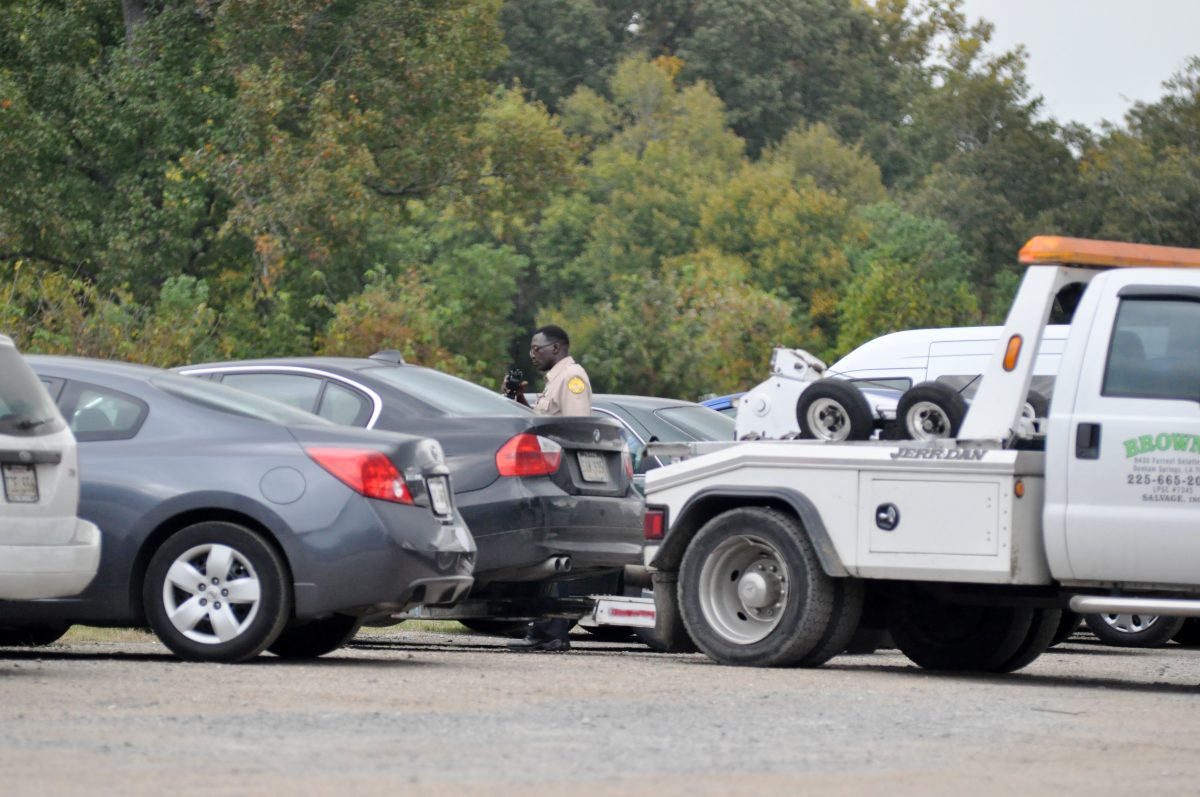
[(871, 389), (45, 550)]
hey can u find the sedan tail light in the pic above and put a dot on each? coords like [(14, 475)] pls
[(365, 471), (528, 455)]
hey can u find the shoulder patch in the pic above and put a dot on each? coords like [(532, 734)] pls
[(576, 385)]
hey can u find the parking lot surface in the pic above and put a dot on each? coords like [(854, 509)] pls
[(443, 713)]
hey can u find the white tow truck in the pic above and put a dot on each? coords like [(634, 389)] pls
[(967, 549)]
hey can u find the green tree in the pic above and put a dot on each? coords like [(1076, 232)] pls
[(643, 188), (1141, 181), (696, 327), (909, 273)]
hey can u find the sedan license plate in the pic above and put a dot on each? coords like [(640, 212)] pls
[(20, 484), (592, 466), (439, 495)]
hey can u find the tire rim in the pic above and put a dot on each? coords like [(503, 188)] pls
[(1129, 623), (211, 594), (926, 421), (743, 589), (827, 420)]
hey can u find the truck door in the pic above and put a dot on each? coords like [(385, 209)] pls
[(1133, 485)]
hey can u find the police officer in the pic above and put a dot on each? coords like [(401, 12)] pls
[(568, 391)]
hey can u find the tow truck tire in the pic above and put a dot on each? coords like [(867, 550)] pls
[(752, 592), (843, 624), (668, 634), (833, 409), (1133, 630), (939, 635), (1042, 629), (929, 411)]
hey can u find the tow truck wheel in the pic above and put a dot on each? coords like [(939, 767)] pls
[(930, 410), (1133, 630), (1042, 630), (833, 409), (939, 635), (752, 592), (669, 635)]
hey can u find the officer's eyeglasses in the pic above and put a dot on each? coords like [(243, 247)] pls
[(536, 349)]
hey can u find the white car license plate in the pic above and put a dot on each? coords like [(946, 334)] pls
[(592, 466), (439, 494), (20, 484)]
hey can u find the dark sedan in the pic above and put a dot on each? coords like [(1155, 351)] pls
[(548, 499), (649, 419), (233, 524)]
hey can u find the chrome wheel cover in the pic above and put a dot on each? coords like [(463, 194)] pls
[(743, 589), (1129, 623), (926, 421), (211, 594), (827, 420)]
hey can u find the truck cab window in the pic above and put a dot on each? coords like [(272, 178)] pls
[(1155, 350)]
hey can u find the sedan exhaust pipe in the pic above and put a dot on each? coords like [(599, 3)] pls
[(554, 566)]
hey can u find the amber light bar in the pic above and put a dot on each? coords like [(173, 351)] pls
[(1114, 254)]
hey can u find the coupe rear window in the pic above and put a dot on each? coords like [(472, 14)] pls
[(218, 397), (451, 395), (25, 407), (700, 422)]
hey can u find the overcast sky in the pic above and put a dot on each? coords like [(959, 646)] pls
[(1091, 59)]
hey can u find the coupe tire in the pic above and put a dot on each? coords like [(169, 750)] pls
[(930, 411), (315, 638), (217, 591), (609, 633), (939, 635), (752, 592), (833, 409), (1133, 630), (31, 636), (513, 629)]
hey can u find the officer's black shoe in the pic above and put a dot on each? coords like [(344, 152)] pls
[(531, 644)]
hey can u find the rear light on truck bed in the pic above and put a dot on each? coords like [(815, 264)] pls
[(654, 524), (365, 471), (528, 455)]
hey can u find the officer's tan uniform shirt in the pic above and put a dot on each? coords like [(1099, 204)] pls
[(568, 390)]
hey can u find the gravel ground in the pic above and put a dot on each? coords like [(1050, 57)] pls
[(435, 713)]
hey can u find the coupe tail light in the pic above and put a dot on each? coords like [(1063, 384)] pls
[(654, 524), (367, 472), (528, 455), (627, 462)]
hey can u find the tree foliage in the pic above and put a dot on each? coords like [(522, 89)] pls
[(682, 184)]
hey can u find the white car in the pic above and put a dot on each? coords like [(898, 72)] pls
[(913, 384), (45, 550)]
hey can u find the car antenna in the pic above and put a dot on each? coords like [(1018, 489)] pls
[(389, 356)]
